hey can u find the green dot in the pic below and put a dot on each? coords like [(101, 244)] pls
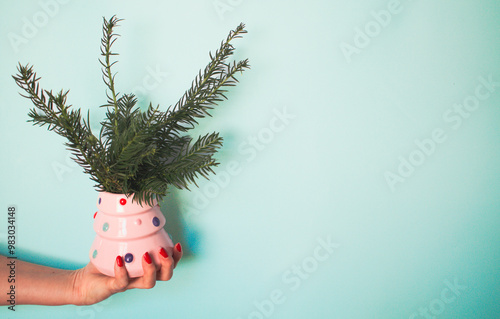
[(94, 254), (105, 227)]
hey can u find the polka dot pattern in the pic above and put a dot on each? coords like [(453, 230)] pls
[(125, 228), (129, 258), (156, 221)]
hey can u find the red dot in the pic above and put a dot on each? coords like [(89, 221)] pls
[(95, 214), (123, 201)]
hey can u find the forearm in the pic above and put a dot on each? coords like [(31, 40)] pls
[(36, 284)]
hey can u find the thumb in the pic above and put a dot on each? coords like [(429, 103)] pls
[(120, 281)]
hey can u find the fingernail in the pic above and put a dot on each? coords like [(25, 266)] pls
[(178, 247), (163, 252), (147, 258), (119, 261)]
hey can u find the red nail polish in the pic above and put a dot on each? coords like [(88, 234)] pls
[(119, 261), (147, 258), (163, 252), (178, 247)]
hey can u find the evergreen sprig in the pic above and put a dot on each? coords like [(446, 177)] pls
[(139, 153)]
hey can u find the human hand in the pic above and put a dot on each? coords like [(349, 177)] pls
[(91, 286)]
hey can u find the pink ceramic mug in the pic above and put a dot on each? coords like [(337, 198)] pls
[(127, 229)]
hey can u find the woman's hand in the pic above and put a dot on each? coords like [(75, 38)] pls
[(90, 286)]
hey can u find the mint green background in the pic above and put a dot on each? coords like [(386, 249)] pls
[(321, 176)]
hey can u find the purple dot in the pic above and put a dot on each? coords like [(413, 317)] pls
[(99, 201), (156, 221), (129, 258)]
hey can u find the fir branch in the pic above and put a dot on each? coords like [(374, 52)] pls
[(62, 120), (139, 153), (133, 144), (193, 160), (206, 90), (107, 41)]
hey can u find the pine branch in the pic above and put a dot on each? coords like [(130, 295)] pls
[(134, 144), (206, 90), (140, 153), (107, 41), (193, 160), (62, 120)]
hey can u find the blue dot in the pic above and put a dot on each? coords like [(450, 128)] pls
[(99, 201), (156, 221), (94, 254), (105, 227), (129, 258)]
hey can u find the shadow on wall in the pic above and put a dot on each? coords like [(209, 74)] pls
[(175, 226), (44, 260)]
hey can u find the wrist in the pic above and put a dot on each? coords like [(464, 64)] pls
[(75, 291)]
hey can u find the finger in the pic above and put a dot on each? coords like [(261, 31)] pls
[(148, 280), (177, 253), (167, 266), (121, 279)]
